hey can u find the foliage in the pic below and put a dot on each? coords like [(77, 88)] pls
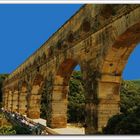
[(46, 100), (128, 122), (130, 96), (112, 124), (7, 130), (124, 123), (43, 105), (2, 77), (76, 99), (21, 130)]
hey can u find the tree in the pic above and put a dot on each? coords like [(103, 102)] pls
[(130, 96), (7, 130), (128, 122), (76, 98), (124, 123), (2, 78)]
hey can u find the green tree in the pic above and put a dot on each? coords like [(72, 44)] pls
[(128, 122), (7, 130), (2, 78), (130, 96), (124, 123), (76, 98)]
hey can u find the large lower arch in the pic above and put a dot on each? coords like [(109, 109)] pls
[(59, 95), (113, 64)]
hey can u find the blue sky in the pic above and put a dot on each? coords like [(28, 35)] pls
[(24, 28)]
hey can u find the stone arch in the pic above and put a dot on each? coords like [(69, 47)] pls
[(59, 96), (117, 55), (114, 59), (34, 97)]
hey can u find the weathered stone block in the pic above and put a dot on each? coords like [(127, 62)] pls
[(33, 114), (58, 121)]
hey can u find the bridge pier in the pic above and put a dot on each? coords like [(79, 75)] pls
[(33, 107), (5, 99), (59, 103), (102, 102), (15, 101), (22, 106), (9, 107), (59, 114)]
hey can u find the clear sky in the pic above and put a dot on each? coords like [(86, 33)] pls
[(24, 28)]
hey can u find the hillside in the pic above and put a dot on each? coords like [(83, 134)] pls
[(137, 82), (2, 77)]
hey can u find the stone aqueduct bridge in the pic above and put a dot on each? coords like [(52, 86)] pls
[(100, 39)]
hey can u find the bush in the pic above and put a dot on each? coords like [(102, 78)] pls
[(112, 124), (130, 96), (21, 130), (128, 122), (2, 77), (76, 98), (124, 124), (7, 130)]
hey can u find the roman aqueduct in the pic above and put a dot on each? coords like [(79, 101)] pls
[(99, 38)]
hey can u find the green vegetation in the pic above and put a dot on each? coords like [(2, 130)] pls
[(130, 96), (128, 122), (5, 126), (4, 129), (10, 128), (2, 77), (76, 99), (21, 130), (7, 130), (124, 123)]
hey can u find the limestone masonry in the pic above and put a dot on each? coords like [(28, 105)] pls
[(100, 39)]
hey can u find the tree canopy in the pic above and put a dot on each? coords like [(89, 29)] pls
[(2, 77)]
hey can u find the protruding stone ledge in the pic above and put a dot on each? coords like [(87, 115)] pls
[(110, 78)]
